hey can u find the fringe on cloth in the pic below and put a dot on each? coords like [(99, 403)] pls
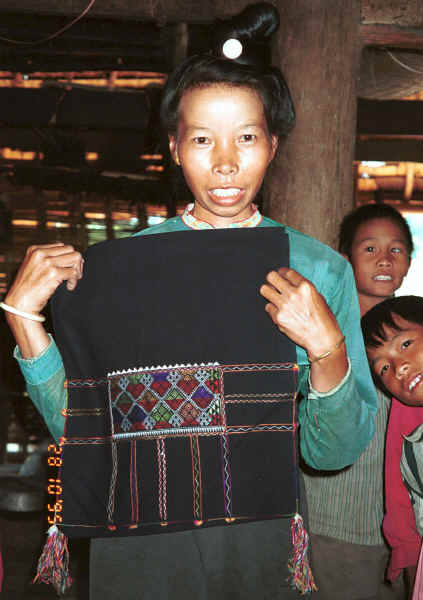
[(53, 564), (301, 576)]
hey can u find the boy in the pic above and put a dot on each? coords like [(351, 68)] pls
[(377, 241), (393, 335)]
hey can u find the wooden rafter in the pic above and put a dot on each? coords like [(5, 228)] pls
[(158, 11), (400, 181), (405, 13), (391, 36), (390, 117)]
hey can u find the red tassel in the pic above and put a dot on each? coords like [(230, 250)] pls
[(299, 566), (53, 564)]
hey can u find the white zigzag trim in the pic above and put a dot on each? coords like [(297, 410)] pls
[(178, 432), (162, 367)]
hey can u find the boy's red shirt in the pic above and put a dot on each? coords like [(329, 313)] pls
[(399, 524)]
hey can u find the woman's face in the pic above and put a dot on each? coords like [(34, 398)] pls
[(224, 148)]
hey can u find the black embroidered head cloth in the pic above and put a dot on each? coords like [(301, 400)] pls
[(153, 445)]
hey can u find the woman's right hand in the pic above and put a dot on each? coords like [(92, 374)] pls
[(44, 268)]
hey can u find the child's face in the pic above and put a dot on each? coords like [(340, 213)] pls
[(398, 362), (380, 260), (224, 147)]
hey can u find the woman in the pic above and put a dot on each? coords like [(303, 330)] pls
[(224, 117)]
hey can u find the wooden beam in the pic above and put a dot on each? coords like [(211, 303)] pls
[(394, 12), (161, 11), (389, 149), (391, 36), (390, 117)]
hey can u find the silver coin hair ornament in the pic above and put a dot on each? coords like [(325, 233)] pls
[(232, 48)]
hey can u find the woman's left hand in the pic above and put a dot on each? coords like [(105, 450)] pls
[(300, 311)]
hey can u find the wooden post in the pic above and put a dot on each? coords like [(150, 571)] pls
[(318, 49)]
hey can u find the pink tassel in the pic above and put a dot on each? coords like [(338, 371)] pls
[(53, 564), (299, 566)]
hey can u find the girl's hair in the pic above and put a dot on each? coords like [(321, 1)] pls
[(253, 28), (352, 221), (383, 314)]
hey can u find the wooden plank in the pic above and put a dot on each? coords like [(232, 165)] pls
[(395, 12), (393, 149), (390, 117), (162, 11), (391, 36)]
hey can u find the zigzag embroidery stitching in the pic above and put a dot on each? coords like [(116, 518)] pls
[(134, 483), (83, 441), (83, 412), (113, 479), (196, 478), (260, 396), (162, 468), (256, 428), (85, 383), (257, 399), (226, 474), (261, 367)]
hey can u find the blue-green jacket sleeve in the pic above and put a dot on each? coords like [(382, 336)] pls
[(45, 381), (334, 427)]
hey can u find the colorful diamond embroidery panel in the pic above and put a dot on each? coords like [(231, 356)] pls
[(178, 401)]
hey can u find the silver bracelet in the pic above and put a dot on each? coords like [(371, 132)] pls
[(22, 313)]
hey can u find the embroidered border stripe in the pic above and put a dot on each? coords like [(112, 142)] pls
[(196, 479), (113, 479), (162, 469), (134, 483), (226, 476)]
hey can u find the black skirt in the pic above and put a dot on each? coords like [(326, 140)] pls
[(246, 561)]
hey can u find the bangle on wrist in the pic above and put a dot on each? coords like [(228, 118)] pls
[(22, 313), (328, 352)]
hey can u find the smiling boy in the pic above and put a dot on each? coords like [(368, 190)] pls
[(393, 335)]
